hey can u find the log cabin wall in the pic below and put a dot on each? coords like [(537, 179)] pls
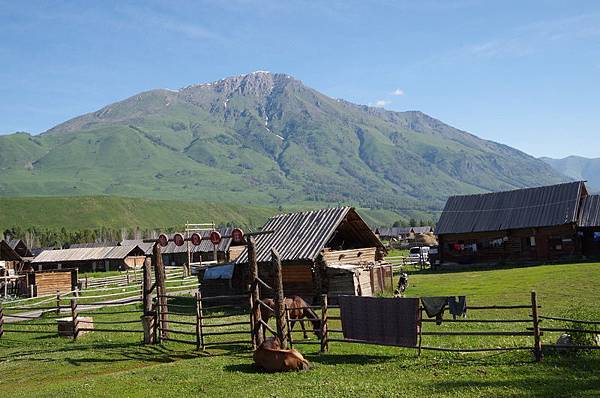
[(528, 244), (590, 239)]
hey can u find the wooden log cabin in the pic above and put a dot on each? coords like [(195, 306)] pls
[(312, 242), (520, 226), (589, 226), (10, 260)]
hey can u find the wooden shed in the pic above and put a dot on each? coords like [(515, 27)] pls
[(525, 225), (91, 259), (10, 260), (310, 242), (41, 283)]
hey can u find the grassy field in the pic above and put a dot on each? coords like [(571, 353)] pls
[(80, 212), (111, 364)]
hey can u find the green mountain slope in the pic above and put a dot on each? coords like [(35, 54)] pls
[(262, 139), (578, 168), (76, 213)]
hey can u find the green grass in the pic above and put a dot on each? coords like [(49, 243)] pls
[(104, 364), (80, 212)]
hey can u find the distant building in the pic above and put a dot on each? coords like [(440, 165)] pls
[(534, 224), (91, 259), (401, 233), (226, 251)]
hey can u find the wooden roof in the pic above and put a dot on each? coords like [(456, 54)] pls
[(589, 215), (302, 235), (524, 208)]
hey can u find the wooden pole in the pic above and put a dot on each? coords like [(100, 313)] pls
[(252, 322), (1, 321), (149, 316), (420, 326), (159, 271), (279, 298), (199, 316), (289, 329), (537, 341), (57, 302), (74, 318), (255, 291), (324, 332)]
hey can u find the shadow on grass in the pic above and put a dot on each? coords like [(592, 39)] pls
[(348, 359)]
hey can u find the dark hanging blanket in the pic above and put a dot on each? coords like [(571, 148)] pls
[(388, 321)]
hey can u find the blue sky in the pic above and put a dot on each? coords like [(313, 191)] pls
[(522, 73)]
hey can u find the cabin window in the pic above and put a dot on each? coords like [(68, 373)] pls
[(596, 237), (556, 244), (529, 241)]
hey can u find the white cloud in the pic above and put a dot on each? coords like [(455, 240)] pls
[(381, 103), (398, 92)]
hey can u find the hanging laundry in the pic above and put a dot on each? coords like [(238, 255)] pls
[(434, 307), (457, 306)]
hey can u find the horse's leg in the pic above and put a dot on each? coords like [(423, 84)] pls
[(303, 329)]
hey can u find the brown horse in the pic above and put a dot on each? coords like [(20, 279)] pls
[(270, 357), (298, 309)]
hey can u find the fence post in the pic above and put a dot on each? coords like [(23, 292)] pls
[(1, 320), (537, 342), (57, 302), (324, 332), (257, 333), (252, 323), (199, 316), (161, 300), (149, 316), (279, 299), (74, 318), (289, 329)]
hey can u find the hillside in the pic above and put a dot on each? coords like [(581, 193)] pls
[(261, 139), (578, 168), (94, 212)]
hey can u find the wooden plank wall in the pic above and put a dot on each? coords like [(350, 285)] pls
[(353, 256), (50, 282)]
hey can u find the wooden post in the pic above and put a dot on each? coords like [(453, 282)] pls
[(74, 319), (161, 301), (324, 332), (1, 321), (279, 298), (86, 281), (289, 329), (252, 323), (215, 254), (255, 292), (420, 326), (199, 316), (537, 341), (57, 302), (149, 316)]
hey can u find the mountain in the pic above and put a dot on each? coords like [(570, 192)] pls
[(262, 139), (578, 168)]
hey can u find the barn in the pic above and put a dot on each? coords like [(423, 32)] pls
[(91, 259), (525, 225), (322, 251), (589, 226)]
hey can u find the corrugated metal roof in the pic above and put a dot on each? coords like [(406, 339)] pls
[(393, 231), (92, 244), (422, 230), (301, 236), (84, 254), (590, 212), (523, 208)]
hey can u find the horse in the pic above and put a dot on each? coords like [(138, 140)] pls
[(297, 310), (270, 357)]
